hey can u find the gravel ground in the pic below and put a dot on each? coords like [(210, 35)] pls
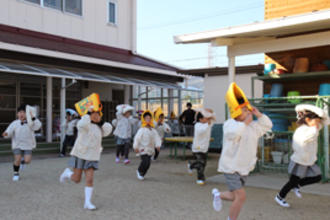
[(168, 192)]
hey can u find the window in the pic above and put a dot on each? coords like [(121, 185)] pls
[(70, 6), (56, 4), (34, 1), (73, 6), (112, 13)]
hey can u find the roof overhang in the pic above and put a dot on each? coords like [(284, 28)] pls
[(261, 31)]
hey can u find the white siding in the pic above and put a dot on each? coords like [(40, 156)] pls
[(215, 88), (92, 26)]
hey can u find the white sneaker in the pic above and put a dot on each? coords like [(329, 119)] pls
[(15, 178), (281, 201), (126, 161), (297, 192), (138, 175), (67, 173), (200, 182), (117, 160), (89, 206), (217, 201), (190, 171)]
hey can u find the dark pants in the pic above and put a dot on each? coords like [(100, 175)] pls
[(144, 165), (123, 150), (156, 154), (296, 182), (68, 141), (199, 164), (189, 131)]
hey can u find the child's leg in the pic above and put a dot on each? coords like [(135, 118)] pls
[(119, 150), (76, 176), (236, 206), (65, 143), (144, 165), (156, 154), (310, 180), (17, 159), (27, 158), (89, 174), (229, 196), (199, 165), (292, 183), (127, 147)]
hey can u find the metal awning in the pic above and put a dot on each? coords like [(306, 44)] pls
[(268, 29), (28, 69)]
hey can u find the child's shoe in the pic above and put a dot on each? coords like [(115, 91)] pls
[(138, 175), (67, 173), (126, 161), (89, 206), (190, 171), (200, 182), (217, 202), (15, 177), (117, 160), (281, 201), (297, 192)]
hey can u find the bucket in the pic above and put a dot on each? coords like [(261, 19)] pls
[(294, 93), (277, 157), (280, 123), (91, 100), (301, 65), (277, 90), (324, 89)]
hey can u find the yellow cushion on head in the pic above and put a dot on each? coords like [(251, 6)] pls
[(158, 113), (91, 100), (234, 92), (144, 123)]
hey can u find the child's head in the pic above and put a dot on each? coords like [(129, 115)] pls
[(200, 118), (308, 118), (96, 117), (68, 115), (161, 118), (147, 117), (245, 111), (21, 114), (172, 116), (127, 114)]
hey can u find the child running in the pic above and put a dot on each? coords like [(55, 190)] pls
[(161, 127), (23, 141), (86, 152), (146, 141), (239, 152), (302, 167), (123, 132), (201, 142)]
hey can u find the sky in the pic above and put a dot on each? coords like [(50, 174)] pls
[(159, 20)]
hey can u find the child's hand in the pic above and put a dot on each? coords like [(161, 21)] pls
[(4, 134), (248, 119), (256, 112), (137, 151)]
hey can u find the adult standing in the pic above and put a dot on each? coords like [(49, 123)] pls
[(188, 119)]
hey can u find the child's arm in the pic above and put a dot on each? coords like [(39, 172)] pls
[(157, 139), (84, 123), (136, 142), (167, 128), (106, 128), (9, 132), (263, 124), (35, 125), (306, 134)]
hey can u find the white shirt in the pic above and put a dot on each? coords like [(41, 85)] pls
[(305, 144), (202, 136), (162, 129), (240, 142), (146, 139), (22, 135), (88, 145), (123, 127), (69, 127)]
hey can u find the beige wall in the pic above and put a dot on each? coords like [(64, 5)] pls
[(215, 88), (103, 89), (92, 26)]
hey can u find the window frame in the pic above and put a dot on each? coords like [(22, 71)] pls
[(115, 3)]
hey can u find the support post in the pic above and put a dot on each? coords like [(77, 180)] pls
[(62, 110), (49, 121), (139, 98)]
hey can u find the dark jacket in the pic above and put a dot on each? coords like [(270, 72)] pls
[(188, 117)]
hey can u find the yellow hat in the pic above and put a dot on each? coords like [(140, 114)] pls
[(144, 123), (233, 94), (158, 113), (83, 105)]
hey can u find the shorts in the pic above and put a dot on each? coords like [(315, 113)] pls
[(79, 163), (235, 181), (18, 151), (303, 171)]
